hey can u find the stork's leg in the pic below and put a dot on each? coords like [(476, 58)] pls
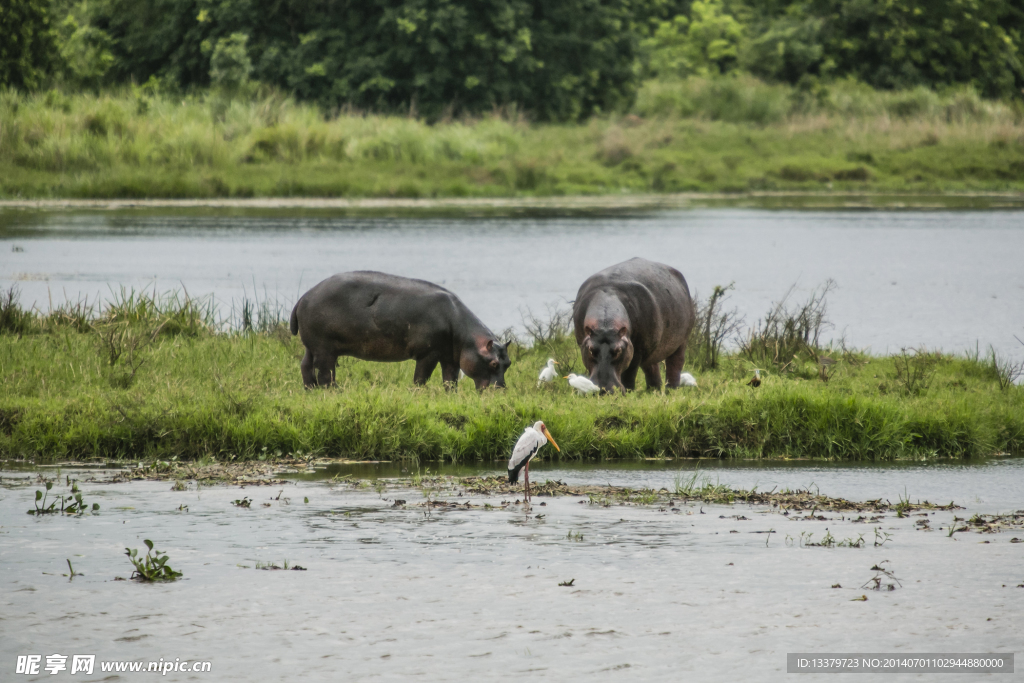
[(527, 481)]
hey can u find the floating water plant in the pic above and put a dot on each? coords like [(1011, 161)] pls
[(151, 567), (270, 566), (243, 502), (72, 504), (883, 580), (71, 569)]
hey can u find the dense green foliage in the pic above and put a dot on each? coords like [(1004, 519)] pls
[(150, 379), (732, 135), (27, 42), (560, 61)]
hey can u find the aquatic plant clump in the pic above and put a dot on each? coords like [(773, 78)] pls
[(152, 566), (72, 504)]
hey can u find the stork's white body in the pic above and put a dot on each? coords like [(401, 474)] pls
[(526, 448), (547, 374), (582, 384), (687, 380)]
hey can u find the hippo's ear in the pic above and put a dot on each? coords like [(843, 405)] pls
[(623, 333), (588, 331), (486, 346)]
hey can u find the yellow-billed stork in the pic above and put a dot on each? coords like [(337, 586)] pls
[(526, 448)]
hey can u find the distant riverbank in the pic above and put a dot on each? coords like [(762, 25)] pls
[(124, 145)]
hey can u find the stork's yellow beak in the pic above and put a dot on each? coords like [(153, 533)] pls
[(551, 439)]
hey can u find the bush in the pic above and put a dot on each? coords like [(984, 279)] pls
[(28, 43), (561, 61), (735, 99)]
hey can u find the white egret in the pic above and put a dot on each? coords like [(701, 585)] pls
[(755, 381), (529, 443), (687, 380), (547, 373), (582, 384)]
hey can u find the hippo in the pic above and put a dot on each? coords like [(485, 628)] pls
[(632, 316), (380, 317)]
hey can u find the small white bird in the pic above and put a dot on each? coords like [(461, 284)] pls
[(547, 373), (687, 380), (582, 384), (529, 443)]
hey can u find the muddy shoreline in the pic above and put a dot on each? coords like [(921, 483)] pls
[(610, 202)]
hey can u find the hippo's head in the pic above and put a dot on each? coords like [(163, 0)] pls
[(486, 362), (607, 352)]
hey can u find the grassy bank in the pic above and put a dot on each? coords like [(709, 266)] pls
[(728, 135), (144, 379)]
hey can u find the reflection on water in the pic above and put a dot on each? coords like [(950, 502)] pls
[(389, 593), (944, 279)]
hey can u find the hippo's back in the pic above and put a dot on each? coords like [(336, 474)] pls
[(374, 315), (662, 280)]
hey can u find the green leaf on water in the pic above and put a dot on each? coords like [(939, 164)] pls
[(306, 499), (39, 494), (49, 485), (149, 543), (95, 507)]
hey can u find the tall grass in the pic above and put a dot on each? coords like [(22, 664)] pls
[(70, 392), (727, 134)]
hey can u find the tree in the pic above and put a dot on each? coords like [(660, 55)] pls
[(560, 60), (706, 43), (27, 43), (903, 43)]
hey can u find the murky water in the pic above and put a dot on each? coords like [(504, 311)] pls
[(472, 594), (947, 279)]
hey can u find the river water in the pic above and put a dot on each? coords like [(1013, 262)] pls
[(699, 593), (656, 595), (944, 279)]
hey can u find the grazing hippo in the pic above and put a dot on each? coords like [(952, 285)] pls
[(380, 317), (630, 317)]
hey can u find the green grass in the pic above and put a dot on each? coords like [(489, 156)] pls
[(726, 135), (187, 392)]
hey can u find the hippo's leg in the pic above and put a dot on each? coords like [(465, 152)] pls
[(449, 375), (652, 373), (674, 366), (424, 369), (323, 365), (629, 377), (308, 376)]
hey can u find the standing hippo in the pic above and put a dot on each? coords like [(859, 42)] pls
[(380, 317), (632, 316)]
